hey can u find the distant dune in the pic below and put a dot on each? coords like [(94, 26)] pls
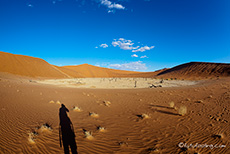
[(36, 67), (196, 70), (87, 70)]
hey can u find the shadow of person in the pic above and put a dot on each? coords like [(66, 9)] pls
[(66, 131)]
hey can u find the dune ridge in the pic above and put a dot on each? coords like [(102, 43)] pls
[(197, 69), (36, 67)]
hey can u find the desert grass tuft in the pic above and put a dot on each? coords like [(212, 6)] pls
[(88, 134), (46, 127), (107, 103), (32, 136), (51, 102), (171, 104), (143, 116), (77, 109), (101, 129), (182, 110), (92, 114)]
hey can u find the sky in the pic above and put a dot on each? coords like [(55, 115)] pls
[(139, 35)]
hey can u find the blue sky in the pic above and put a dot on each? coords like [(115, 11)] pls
[(143, 35)]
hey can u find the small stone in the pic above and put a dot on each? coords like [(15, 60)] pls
[(199, 101)]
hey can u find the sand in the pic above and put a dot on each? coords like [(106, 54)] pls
[(137, 120), (114, 111)]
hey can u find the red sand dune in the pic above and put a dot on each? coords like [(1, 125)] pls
[(28, 66), (196, 70), (87, 70), (36, 67)]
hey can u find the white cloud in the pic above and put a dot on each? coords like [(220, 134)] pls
[(128, 45), (142, 49), (133, 66), (111, 5), (104, 45), (96, 47), (134, 55), (144, 56), (124, 44)]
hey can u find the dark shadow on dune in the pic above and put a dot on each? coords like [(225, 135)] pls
[(167, 112), (161, 106), (66, 131)]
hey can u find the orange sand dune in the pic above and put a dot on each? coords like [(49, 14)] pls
[(197, 70), (28, 66), (87, 70), (36, 67)]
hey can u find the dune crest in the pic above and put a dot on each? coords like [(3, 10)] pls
[(36, 67)]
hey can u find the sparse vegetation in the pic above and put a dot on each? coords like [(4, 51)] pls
[(107, 103), (92, 114), (77, 109), (52, 102), (171, 104), (182, 110), (88, 134)]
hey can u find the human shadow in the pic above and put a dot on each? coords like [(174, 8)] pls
[(66, 131)]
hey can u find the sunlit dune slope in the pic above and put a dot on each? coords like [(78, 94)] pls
[(196, 70), (28, 66), (87, 70)]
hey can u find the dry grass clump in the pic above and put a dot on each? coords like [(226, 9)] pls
[(45, 128), (88, 134), (77, 109), (107, 103), (58, 102), (101, 129), (182, 110), (51, 102), (171, 104), (92, 114), (32, 136), (144, 116)]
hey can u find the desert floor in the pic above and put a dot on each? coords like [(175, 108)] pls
[(115, 83), (136, 120)]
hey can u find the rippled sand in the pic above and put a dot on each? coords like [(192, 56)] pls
[(137, 120)]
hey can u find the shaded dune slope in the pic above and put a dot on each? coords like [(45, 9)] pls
[(197, 69)]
